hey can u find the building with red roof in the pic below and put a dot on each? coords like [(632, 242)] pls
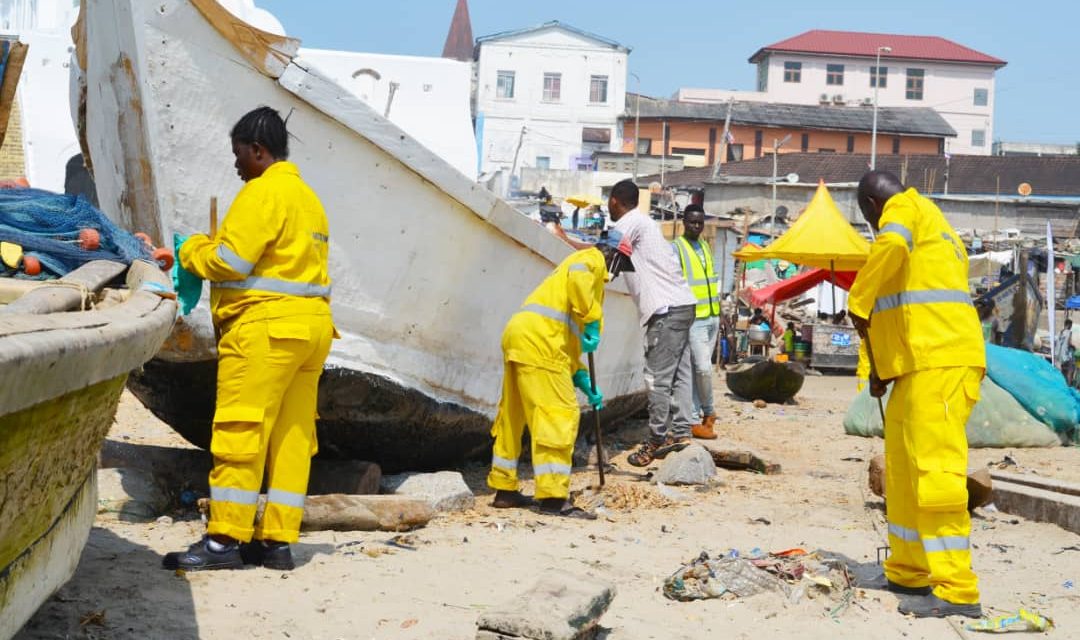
[(838, 68)]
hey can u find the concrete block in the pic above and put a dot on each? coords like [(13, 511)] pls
[(131, 495), (560, 606), (444, 490), (692, 465), (1039, 505)]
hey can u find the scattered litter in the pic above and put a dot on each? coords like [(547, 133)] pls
[(1003, 548), (1068, 584), (793, 572), (95, 618), (408, 623), (1075, 547), (851, 459), (1004, 463), (1022, 620), (764, 521), (760, 404), (164, 520)]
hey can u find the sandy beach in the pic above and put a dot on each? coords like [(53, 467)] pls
[(434, 582)]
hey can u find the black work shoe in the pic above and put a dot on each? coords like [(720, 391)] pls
[(268, 554), (200, 557), (895, 587), (931, 606)]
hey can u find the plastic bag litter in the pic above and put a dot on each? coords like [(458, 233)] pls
[(1037, 385), (707, 577), (1022, 620), (997, 420)]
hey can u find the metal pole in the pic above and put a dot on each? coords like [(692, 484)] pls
[(637, 124), (877, 81), (772, 211), (724, 138)]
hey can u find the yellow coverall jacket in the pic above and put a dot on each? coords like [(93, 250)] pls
[(926, 337), (541, 352), (270, 300)]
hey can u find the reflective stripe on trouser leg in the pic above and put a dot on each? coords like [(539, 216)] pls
[(906, 564), (551, 406), (940, 449), (293, 441), (507, 430)]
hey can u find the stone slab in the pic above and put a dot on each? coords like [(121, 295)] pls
[(740, 460), (560, 606), (1039, 505), (444, 490), (692, 466)]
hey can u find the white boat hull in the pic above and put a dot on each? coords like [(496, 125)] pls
[(427, 266)]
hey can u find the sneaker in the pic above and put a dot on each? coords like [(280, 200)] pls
[(931, 606), (200, 557), (268, 554)]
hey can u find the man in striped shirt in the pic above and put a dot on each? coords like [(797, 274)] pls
[(666, 310)]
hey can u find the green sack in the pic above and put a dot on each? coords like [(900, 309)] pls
[(188, 285), (997, 420)]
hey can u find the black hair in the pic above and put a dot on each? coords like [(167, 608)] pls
[(626, 192), (265, 127), (693, 208)]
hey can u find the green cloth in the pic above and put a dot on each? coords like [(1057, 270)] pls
[(789, 341), (188, 285)]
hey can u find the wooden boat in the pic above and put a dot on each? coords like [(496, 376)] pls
[(766, 380), (1017, 310), (427, 265), (62, 378)]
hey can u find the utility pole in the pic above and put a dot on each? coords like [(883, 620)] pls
[(724, 137), (637, 124), (513, 165), (775, 159), (877, 81)]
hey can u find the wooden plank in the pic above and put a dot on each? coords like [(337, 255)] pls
[(741, 460), (10, 84)]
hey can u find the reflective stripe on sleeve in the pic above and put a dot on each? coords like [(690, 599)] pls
[(901, 231), (927, 296), (553, 314), (577, 266), (504, 463), (238, 264)]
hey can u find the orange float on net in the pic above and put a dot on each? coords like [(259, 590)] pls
[(31, 265), (89, 239), (164, 258)]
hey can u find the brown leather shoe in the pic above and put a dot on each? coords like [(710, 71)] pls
[(705, 429)]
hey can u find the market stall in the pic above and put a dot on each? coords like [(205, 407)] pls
[(824, 239)]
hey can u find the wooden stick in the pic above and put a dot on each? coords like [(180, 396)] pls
[(213, 216), (596, 414)]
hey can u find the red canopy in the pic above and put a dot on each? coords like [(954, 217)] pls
[(786, 289)]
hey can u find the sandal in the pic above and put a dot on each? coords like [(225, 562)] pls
[(512, 500), (644, 456), (671, 445)]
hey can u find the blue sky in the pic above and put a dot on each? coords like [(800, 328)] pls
[(705, 43)]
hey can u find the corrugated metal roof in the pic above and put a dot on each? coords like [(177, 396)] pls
[(865, 45), (922, 121), (553, 24)]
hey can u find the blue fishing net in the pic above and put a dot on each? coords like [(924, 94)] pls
[(47, 226)]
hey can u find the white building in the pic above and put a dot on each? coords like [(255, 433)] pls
[(44, 103), (837, 67), (547, 97), (429, 98)]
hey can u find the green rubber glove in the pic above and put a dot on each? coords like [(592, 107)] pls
[(590, 339), (584, 382), (188, 285)]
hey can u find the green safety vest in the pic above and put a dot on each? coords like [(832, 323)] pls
[(702, 279)]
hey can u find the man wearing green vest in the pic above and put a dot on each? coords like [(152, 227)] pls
[(697, 265)]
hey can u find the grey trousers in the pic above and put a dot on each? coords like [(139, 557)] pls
[(668, 374)]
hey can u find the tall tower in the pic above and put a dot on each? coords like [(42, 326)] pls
[(459, 41)]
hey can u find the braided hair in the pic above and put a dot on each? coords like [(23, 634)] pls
[(265, 127)]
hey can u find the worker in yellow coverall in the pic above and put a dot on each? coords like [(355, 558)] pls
[(542, 346), (911, 303), (270, 300)]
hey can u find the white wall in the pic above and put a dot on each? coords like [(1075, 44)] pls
[(553, 129), (432, 102)]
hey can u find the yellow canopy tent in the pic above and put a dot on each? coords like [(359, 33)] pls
[(821, 237)]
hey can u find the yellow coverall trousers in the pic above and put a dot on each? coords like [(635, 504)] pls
[(267, 389), (926, 482), (545, 401)]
